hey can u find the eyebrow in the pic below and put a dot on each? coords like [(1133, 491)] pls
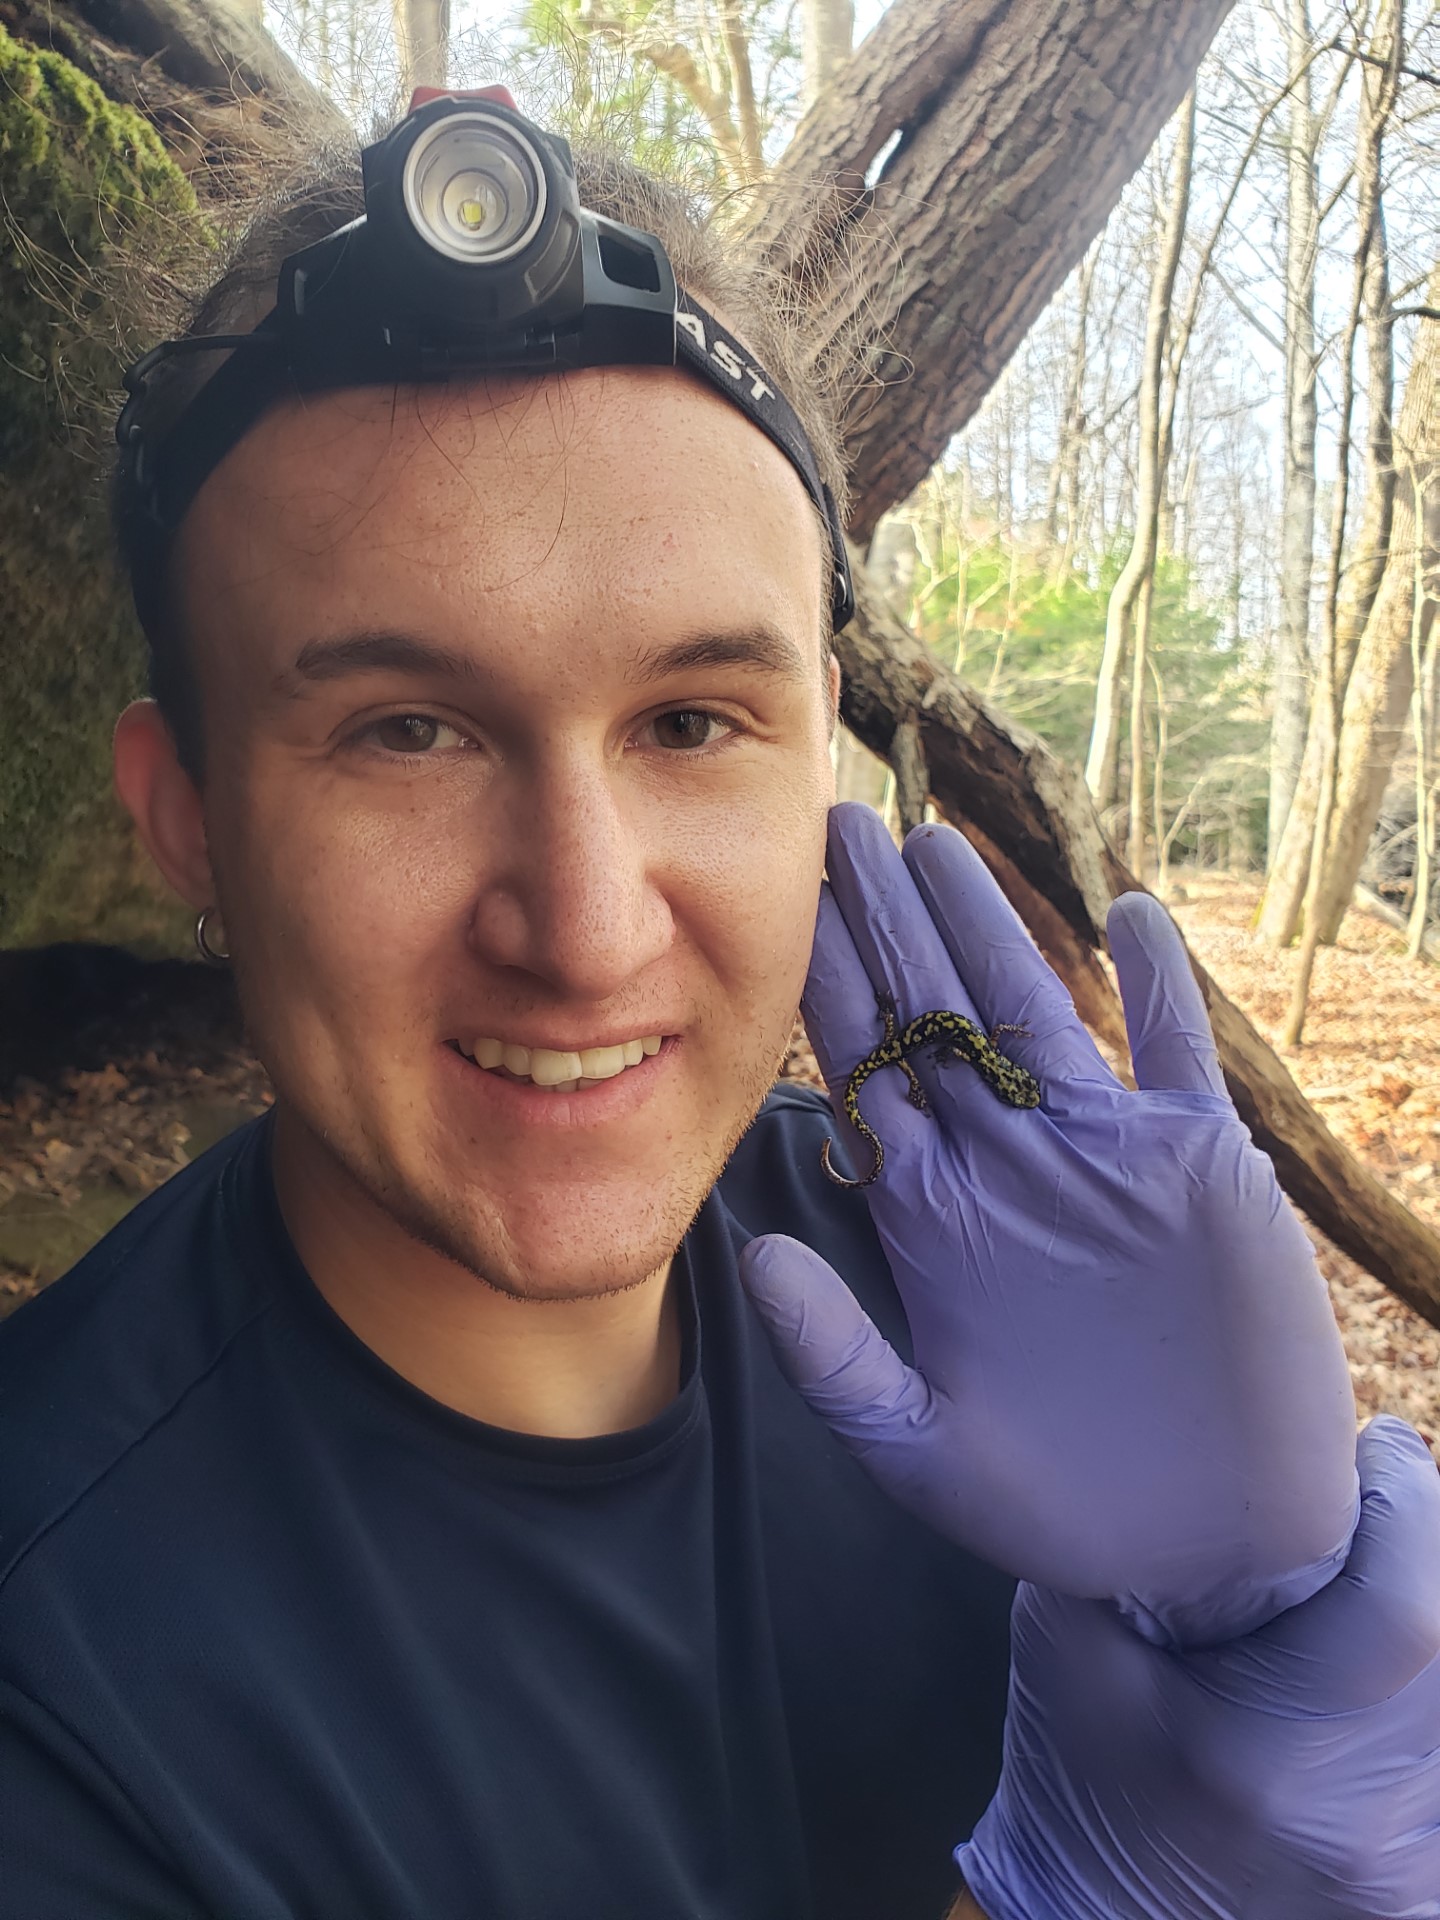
[(321, 660), (765, 648), (318, 661)]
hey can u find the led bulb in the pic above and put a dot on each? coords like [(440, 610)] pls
[(474, 188)]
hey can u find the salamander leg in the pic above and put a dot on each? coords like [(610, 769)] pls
[(889, 1013), (917, 1095)]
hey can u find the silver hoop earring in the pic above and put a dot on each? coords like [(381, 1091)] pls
[(212, 956)]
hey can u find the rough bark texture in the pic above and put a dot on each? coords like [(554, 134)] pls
[(1004, 786), (1020, 122)]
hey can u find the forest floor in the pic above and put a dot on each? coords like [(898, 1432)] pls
[(77, 1152)]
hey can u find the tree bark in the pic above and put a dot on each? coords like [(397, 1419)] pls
[(1020, 122), (1004, 786), (202, 70)]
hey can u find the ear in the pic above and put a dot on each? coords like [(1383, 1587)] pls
[(163, 801)]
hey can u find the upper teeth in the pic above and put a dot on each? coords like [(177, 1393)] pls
[(562, 1071)]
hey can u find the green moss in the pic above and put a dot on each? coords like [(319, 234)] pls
[(79, 178)]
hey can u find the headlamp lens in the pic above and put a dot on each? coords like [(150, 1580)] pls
[(474, 189)]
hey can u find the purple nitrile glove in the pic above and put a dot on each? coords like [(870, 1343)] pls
[(1127, 1379), (1293, 1775)]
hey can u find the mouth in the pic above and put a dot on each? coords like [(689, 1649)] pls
[(549, 1070)]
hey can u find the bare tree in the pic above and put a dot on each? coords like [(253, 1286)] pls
[(1131, 589), (422, 42), (932, 74), (828, 33), (1382, 680), (1425, 660), (1324, 728), (1063, 482), (1294, 859), (1291, 679)]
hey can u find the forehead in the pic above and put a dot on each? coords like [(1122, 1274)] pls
[(546, 503)]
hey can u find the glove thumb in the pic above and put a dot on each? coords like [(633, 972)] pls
[(827, 1347)]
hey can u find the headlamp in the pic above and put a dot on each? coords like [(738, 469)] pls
[(473, 255), (474, 188)]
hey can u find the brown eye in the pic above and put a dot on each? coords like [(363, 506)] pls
[(411, 733), (685, 727)]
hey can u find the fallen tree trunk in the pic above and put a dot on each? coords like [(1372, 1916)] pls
[(1020, 802)]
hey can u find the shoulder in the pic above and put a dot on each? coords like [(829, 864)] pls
[(102, 1356), (776, 1164)]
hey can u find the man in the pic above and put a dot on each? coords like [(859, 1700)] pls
[(403, 1513)]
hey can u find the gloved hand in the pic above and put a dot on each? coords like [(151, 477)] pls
[(1127, 1379), (1294, 1775)]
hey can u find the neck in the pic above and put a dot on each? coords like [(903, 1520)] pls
[(570, 1369)]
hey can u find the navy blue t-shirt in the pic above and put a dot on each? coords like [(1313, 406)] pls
[(282, 1638)]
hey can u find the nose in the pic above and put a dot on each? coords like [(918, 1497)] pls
[(573, 898)]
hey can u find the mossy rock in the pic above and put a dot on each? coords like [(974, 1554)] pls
[(80, 177)]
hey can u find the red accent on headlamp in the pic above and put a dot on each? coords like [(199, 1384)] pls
[(422, 96)]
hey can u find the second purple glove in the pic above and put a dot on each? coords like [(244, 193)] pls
[(1127, 1380), (1292, 1775)]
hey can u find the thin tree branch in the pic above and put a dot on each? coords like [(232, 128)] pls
[(677, 63), (742, 82), (1373, 60)]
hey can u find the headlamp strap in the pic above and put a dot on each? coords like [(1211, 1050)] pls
[(702, 343), (260, 371)]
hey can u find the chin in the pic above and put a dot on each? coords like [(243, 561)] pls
[(594, 1246)]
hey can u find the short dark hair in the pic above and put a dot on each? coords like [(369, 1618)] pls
[(323, 193)]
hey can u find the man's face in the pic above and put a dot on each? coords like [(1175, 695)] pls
[(516, 726)]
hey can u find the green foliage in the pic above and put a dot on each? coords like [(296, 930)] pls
[(611, 90), (608, 95), (79, 178), (1033, 643)]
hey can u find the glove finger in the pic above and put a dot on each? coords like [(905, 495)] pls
[(843, 1025), (1376, 1627), (904, 955), (1171, 1045), (827, 1346), (889, 923), (1010, 979)]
